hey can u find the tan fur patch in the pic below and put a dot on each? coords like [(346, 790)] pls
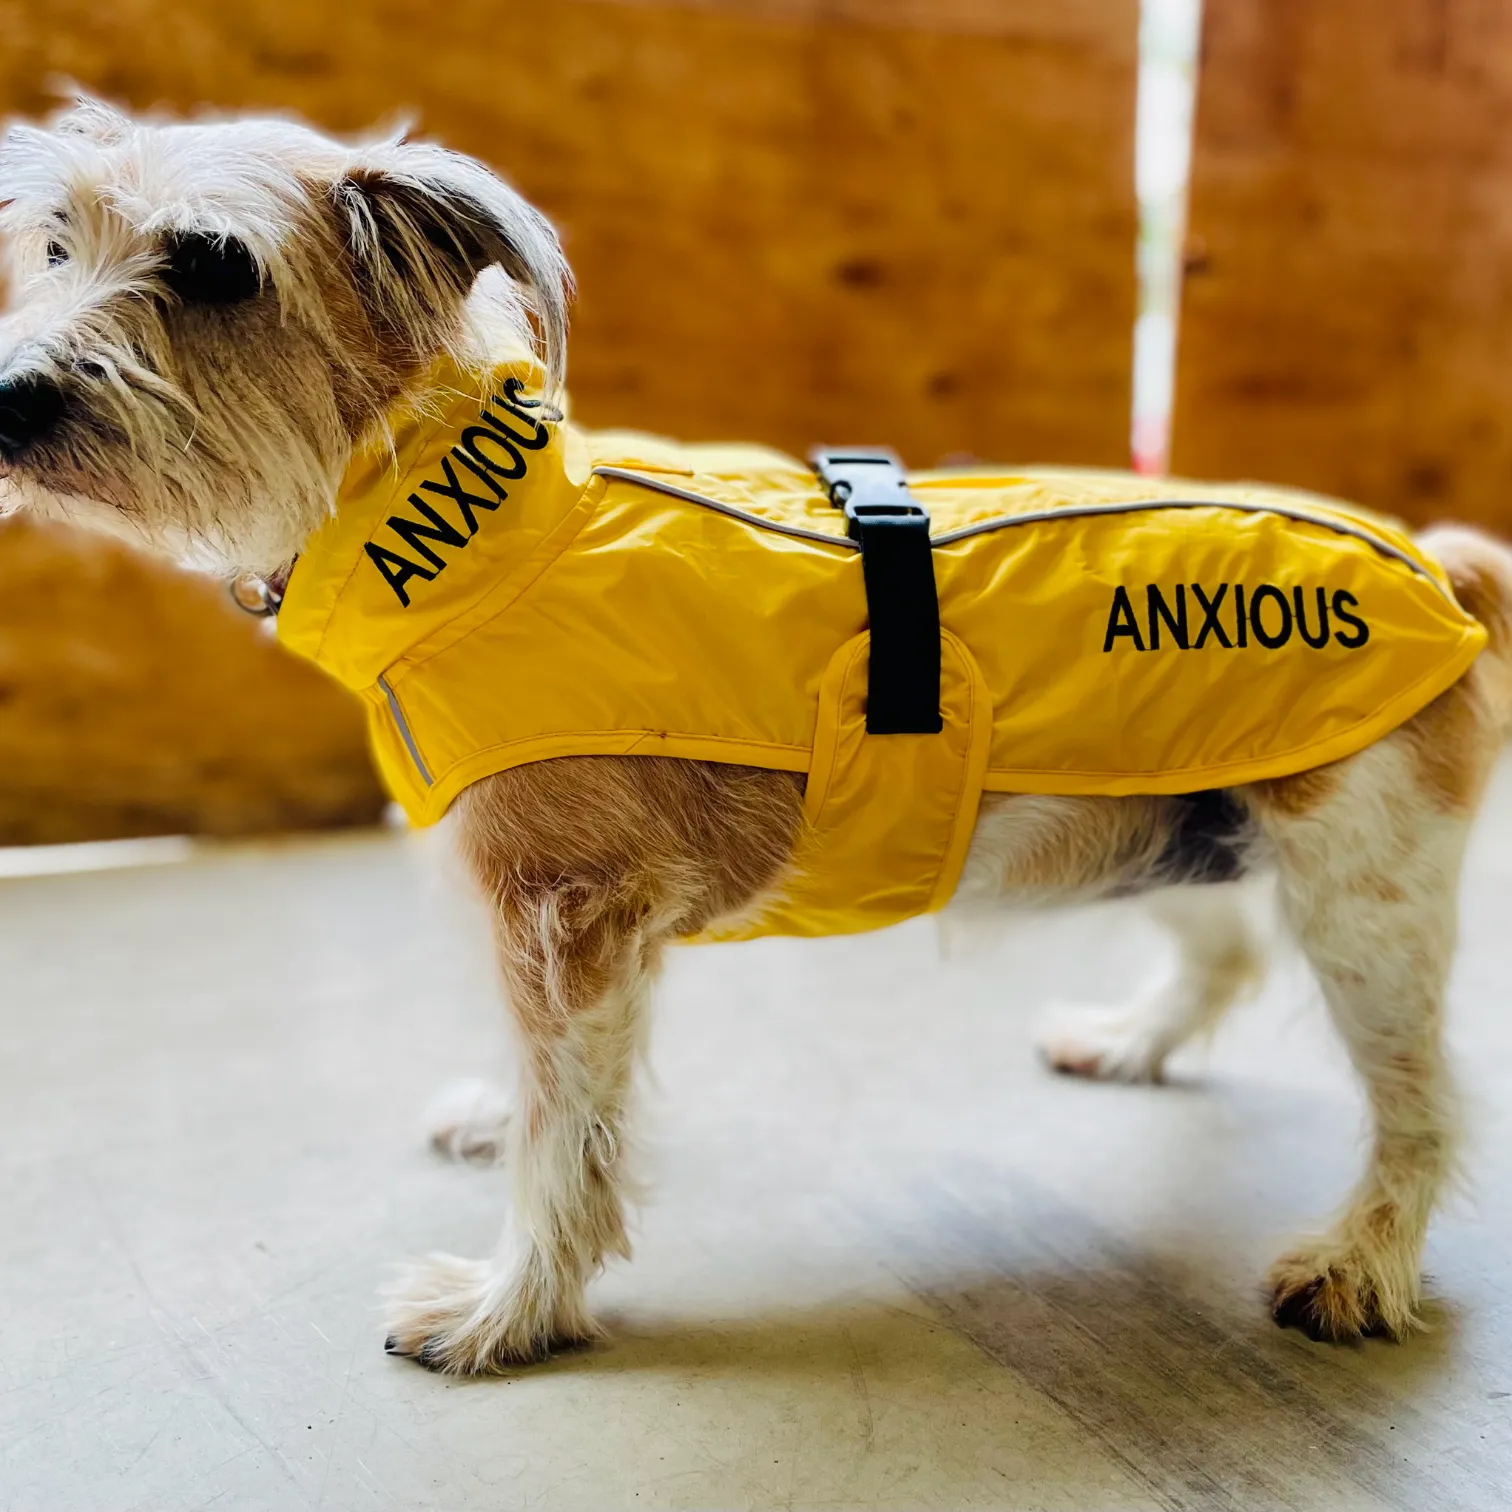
[(1068, 847), (1453, 742), (1298, 794), (1482, 595), (585, 858), (1380, 887)]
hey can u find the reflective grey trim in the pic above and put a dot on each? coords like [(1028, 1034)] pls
[(404, 730), (1133, 506), (728, 509), (1043, 516)]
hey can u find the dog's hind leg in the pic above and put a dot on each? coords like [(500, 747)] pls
[(1369, 853), (1221, 956), (1369, 875)]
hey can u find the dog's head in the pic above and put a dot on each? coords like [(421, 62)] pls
[(205, 317)]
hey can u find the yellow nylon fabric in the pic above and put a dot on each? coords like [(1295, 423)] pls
[(594, 609)]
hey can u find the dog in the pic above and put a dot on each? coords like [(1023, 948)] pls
[(209, 318)]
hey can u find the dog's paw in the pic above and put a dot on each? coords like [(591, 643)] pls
[(463, 1317), (1105, 1044), (469, 1120), (1339, 1295)]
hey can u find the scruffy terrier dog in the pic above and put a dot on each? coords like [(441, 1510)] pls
[(208, 318)]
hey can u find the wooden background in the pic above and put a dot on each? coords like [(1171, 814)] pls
[(135, 700), (908, 221), (1347, 320), (791, 220)]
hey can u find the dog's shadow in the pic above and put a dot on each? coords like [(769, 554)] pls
[(1019, 1326), (1019, 1335), (1150, 1388)]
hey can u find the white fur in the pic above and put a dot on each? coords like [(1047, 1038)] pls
[(469, 1120), (1220, 957)]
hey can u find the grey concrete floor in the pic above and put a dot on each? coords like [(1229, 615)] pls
[(888, 1261)]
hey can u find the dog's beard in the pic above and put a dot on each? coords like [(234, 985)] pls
[(226, 459), (210, 514)]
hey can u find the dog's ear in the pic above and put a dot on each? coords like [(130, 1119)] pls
[(421, 223)]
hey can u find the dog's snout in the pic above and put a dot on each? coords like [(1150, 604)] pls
[(29, 407)]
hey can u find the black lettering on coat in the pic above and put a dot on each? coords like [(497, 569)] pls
[(465, 501), (1121, 621), (516, 403), (1361, 629), (1210, 622), (397, 570), (534, 441), (1321, 639), (414, 534), (1257, 621), (479, 450), (1160, 610), (471, 442), (1241, 618)]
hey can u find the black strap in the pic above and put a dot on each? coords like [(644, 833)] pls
[(903, 680)]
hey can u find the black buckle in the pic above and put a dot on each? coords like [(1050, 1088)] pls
[(902, 604), (867, 483)]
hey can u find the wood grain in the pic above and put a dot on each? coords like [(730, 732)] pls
[(795, 221), (1347, 323), (135, 700)]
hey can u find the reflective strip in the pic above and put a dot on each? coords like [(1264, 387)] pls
[(729, 509), (1134, 506), (404, 730), (1045, 516)]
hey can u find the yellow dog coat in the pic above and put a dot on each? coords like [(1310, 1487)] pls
[(502, 587)]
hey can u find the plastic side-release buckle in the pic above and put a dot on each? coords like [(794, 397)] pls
[(902, 602)]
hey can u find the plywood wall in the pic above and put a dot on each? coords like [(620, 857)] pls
[(792, 220), (1347, 321), (135, 700)]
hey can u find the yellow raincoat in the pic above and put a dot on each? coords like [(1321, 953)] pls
[(502, 587)]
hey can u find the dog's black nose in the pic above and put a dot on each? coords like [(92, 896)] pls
[(29, 407)]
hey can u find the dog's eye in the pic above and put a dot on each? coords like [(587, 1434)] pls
[(203, 269), (56, 253)]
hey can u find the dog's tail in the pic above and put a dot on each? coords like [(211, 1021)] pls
[(1480, 570)]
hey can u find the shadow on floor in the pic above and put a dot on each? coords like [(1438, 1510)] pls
[(1204, 1407)]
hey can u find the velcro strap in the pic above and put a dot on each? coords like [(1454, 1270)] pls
[(902, 605)]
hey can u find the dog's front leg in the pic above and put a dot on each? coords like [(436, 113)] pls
[(1220, 956), (578, 963)]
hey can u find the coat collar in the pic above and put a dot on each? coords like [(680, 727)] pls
[(430, 517)]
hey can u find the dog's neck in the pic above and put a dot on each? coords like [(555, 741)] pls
[(409, 418)]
